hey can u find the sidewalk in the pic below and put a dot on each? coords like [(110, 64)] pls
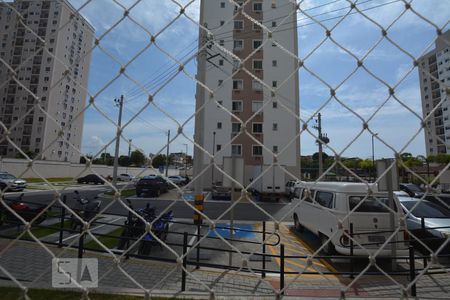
[(31, 264)]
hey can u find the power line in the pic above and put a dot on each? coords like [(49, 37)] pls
[(133, 92)]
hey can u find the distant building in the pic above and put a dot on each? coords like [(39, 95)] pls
[(67, 44), (268, 116), (436, 63)]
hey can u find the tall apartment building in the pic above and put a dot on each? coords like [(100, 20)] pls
[(267, 116), (68, 41), (437, 64)]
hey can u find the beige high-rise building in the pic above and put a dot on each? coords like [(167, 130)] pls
[(259, 143), (437, 64), (62, 94)]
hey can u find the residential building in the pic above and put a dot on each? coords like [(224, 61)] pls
[(264, 100), (55, 72), (434, 74)]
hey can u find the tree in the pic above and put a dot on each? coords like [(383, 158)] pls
[(124, 161), (29, 153), (159, 160), (137, 158)]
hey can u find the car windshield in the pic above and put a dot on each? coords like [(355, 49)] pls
[(370, 204), (7, 176), (426, 209)]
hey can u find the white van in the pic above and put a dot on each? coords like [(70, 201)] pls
[(320, 206)]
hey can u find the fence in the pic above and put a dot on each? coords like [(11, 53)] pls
[(362, 65)]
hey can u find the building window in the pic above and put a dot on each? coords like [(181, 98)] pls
[(257, 150), (236, 150), (235, 127), (256, 106), (238, 84), (274, 104), (222, 4), (236, 105), (221, 42), (256, 26), (257, 44), (257, 86), (220, 62), (238, 44), (274, 84), (274, 63), (238, 4), (257, 64), (257, 6), (218, 147), (238, 24), (274, 24), (275, 126), (275, 149), (219, 125), (222, 23), (257, 127), (219, 82)]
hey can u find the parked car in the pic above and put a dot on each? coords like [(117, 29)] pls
[(435, 228), (91, 178), (320, 207), (178, 180), (413, 190), (11, 183), (125, 177), (27, 210), (152, 185), (221, 193)]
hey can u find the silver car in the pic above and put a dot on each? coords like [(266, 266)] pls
[(428, 222), (11, 183)]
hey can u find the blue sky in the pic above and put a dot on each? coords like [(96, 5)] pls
[(361, 92)]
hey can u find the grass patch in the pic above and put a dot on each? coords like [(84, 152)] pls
[(40, 232), (54, 179), (124, 193), (10, 293), (109, 242)]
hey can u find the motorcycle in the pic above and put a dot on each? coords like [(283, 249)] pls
[(27, 210), (160, 228), (135, 228), (86, 209)]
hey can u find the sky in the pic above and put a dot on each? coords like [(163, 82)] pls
[(361, 96)]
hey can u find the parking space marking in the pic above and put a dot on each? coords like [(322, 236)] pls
[(294, 246)]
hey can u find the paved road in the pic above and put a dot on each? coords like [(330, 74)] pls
[(213, 209)]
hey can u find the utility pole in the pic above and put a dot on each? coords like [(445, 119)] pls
[(167, 153), (213, 153), (323, 138), (119, 102), (129, 152), (185, 160)]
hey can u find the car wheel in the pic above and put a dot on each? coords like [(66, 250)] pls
[(297, 226), (329, 247)]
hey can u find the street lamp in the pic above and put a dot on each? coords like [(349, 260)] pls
[(213, 152), (185, 160), (373, 157)]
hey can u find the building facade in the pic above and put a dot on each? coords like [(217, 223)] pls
[(245, 109), (434, 72), (57, 73)]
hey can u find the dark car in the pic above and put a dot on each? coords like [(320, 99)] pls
[(413, 190), (151, 185), (91, 178), (428, 222)]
